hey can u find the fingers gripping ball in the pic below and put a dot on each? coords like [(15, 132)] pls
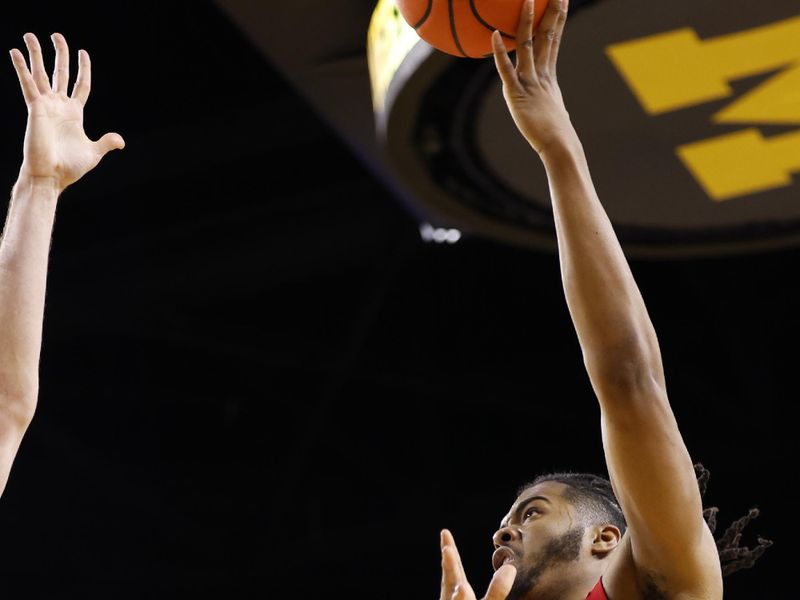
[(464, 27)]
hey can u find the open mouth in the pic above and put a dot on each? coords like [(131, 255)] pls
[(501, 556)]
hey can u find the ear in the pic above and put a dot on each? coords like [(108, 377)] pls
[(604, 539)]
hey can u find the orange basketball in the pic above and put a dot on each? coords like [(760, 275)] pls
[(464, 27)]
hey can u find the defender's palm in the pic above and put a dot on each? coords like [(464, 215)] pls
[(55, 143)]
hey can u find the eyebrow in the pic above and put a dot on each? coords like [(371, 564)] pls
[(522, 505)]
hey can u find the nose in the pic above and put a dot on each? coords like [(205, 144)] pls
[(504, 536)]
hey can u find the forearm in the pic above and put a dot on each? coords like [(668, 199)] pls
[(24, 253), (614, 329)]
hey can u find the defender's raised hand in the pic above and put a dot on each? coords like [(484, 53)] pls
[(531, 88), (56, 147)]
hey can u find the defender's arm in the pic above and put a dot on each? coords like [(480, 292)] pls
[(56, 154)]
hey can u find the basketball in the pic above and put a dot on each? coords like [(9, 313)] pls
[(464, 27)]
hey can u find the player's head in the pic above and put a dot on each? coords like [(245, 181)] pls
[(560, 530)]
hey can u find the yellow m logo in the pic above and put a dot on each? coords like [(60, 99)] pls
[(677, 69)]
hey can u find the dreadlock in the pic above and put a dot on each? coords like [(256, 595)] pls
[(732, 556)]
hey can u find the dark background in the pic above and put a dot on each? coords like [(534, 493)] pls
[(258, 380)]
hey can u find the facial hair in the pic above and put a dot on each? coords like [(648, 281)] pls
[(565, 549)]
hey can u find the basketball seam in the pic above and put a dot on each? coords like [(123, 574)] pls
[(480, 19), (425, 16), (453, 27)]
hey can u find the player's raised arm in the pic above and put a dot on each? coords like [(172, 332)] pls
[(56, 153), (670, 548)]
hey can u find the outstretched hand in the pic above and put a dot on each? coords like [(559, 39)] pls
[(530, 87), (454, 582), (56, 149)]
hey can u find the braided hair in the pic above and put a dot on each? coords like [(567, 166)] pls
[(732, 556), (594, 494)]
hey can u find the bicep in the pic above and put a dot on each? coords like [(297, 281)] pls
[(654, 479)]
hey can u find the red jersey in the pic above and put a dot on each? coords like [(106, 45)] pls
[(598, 593)]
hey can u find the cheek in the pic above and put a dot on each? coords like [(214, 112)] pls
[(537, 535)]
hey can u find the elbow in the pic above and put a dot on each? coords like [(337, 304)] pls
[(18, 405), (632, 394), (18, 413), (624, 373)]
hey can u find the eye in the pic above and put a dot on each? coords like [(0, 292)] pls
[(529, 512)]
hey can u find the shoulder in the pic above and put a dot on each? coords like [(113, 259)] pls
[(697, 577)]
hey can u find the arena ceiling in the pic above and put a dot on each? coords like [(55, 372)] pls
[(688, 161)]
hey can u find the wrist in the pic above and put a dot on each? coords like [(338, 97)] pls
[(562, 147), (39, 184)]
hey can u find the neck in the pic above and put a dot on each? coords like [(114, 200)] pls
[(573, 583)]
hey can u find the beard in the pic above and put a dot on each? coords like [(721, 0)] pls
[(565, 549)]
